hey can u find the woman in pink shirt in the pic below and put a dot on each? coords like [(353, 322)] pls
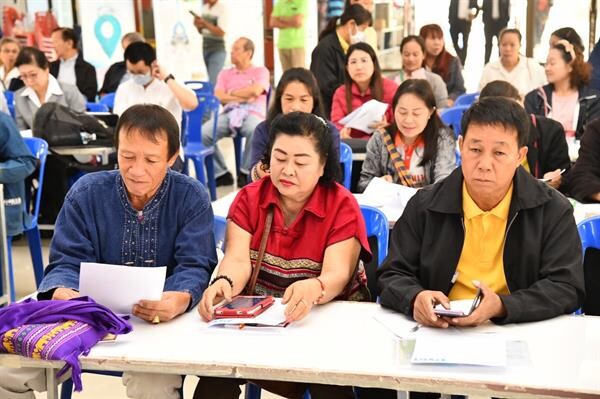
[(363, 82)]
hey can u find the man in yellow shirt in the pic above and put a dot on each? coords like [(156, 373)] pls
[(489, 225)]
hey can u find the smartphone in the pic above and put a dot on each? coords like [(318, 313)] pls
[(244, 306), (460, 313), (194, 14)]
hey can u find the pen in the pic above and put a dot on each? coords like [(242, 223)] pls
[(550, 178), (416, 327)]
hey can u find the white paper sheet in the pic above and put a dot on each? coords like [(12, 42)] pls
[(439, 346), (389, 197), (274, 316), (397, 323), (364, 116), (120, 287)]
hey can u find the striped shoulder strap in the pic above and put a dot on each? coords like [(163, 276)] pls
[(403, 173)]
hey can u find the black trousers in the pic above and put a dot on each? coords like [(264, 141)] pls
[(490, 30), (456, 29)]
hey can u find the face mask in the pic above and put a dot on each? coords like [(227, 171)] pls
[(141, 79), (358, 37)]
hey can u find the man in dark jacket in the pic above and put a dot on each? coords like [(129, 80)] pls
[(489, 225), (70, 66), (547, 149), (584, 178)]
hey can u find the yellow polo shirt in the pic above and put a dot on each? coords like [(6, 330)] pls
[(481, 256), (345, 45)]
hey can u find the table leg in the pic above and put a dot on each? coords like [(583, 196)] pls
[(51, 383)]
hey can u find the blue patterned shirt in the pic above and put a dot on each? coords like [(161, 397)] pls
[(98, 224)]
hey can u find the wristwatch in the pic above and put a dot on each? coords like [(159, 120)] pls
[(169, 76)]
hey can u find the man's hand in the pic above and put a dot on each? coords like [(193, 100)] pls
[(595, 197), (172, 304), (553, 178), (63, 294), (199, 22), (158, 71), (423, 306), (490, 307)]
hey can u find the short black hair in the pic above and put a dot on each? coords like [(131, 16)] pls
[(140, 51), (67, 34), (311, 126), (500, 88), (31, 56), (150, 121), (502, 111)]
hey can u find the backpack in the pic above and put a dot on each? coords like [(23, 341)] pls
[(61, 126)]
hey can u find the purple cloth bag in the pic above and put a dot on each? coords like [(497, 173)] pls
[(57, 330)]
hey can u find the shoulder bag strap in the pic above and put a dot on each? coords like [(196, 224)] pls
[(405, 177), (261, 253)]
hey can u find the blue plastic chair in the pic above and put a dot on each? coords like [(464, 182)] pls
[(10, 97), (378, 226), (39, 148), (589, 233), (219, 228), (194, 150), (466, 99), (96, 107), (346, 161), (453, 116), (457, 158), (200, 87), (108, 100)]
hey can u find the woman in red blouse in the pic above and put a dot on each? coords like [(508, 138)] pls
[(363, 82), (313, 246)]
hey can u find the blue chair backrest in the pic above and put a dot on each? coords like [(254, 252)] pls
[(108, 100), (39, 149), (200, 87), (219, 227), (378, 226), (466, 99), (96, 107), (10, 97), (192, 130), (589, 233), (346, 160), (453, 116)]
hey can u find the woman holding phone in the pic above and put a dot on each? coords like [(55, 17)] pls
[(314, 239)]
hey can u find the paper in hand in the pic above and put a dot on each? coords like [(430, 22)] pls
[(365, 116)]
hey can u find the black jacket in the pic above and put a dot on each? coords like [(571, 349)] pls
[(584, 178), (113, 77), (453, 12), (327, 64), (85, 75), (589, 105), (503, 7), (547, 146), (542, 251)]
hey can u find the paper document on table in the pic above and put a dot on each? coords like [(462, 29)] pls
[(397, 323), (364, 116), (274, 316), (390, 197), (120, 287), (438, 347)]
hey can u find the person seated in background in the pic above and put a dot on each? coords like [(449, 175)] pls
[(370, 32), (522, 72), (425, 147), (242, 90), (143, 214), (547, 150), (438, 60), (363, 82), (583, 180), (297, 91), (117, 72), (412, 49), (530, 267), (567, 97), (317, 261), (9, 73), (16, 163), (40, 88), (70, 66), (569, 34), (329, 56)]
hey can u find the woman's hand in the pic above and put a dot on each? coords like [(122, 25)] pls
[(382, 124), (345, 133), (171, 305), (220, 290), (300, 298), (553, 178), (63, 294), (388, 178)]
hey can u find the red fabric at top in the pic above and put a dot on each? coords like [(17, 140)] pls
[(338, 106)]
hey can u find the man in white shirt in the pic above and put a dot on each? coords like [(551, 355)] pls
[(70, 67), (151, 84)]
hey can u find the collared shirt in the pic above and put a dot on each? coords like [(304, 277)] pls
[(97, 223), (53, 89), (291, 37), (527, 75), (233, 79), (7, 77), (296, 252), (483, 249), (66, 71), (345, 45)]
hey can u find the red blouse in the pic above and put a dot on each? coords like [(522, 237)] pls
[(296, 252)]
